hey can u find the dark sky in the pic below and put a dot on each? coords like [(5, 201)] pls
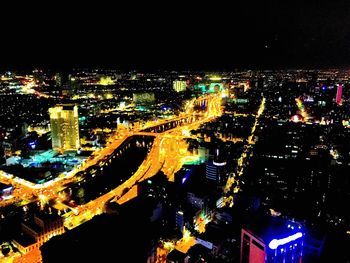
[(255, 34)]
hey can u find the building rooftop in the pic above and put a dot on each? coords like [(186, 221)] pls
[(68, 106), (270, 227), (106, 236), (176, 256), (24, 240), (48, 216), (32, 225), (198, 251), (213, 234)]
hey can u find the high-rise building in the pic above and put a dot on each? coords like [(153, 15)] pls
[(271, 241), (64, 124), (339, 94), (179, 220), (179, 85), (215, 171), (216, 168)]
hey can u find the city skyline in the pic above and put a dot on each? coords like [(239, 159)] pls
[(175, 133), (232, 166)]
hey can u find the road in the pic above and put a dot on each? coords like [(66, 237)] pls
[(241, 163), (26, 191), (168, 143)]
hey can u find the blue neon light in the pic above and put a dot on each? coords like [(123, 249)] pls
[(32, 145), (184, 179), (275, 243)]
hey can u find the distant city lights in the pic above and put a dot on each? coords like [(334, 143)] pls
[(296, 118)]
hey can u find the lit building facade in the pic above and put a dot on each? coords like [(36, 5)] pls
[(274, 243), (215, 170), (180, 223), (339, 94), (144, 98), (64, 124), (34, 234), (179, 85)]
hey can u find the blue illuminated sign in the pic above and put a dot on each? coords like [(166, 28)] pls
[(32, 145), (275, 243)]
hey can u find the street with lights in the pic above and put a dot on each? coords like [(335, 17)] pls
[(190, 160), (241, 163), (169, 140), (168, 143)]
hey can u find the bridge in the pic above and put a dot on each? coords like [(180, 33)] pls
[(182, 121), (168, 141)]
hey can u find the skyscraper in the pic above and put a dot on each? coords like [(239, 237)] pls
[(216, 169), (64, 127), (339, 94), (179, 220), (271, 241), (215, 172)]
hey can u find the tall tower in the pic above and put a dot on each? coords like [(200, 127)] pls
[(216, 169), (272, 241), (339, 94), (64, 127)]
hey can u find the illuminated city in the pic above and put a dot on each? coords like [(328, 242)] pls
[(216, 158), (176, 134)]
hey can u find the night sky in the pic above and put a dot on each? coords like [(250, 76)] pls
[(256, 34)]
